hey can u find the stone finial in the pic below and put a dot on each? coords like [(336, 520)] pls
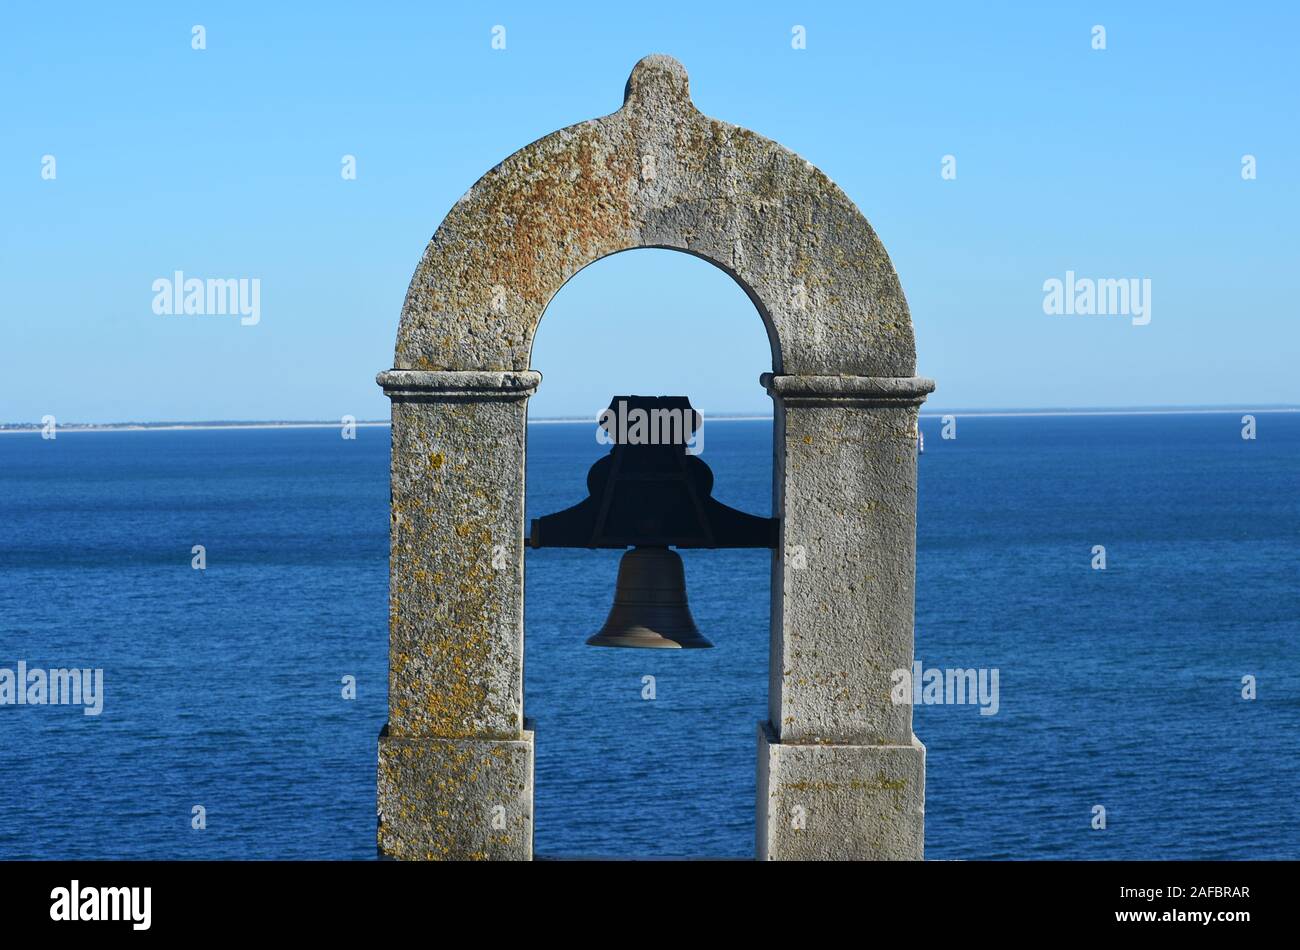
[(658, 79)]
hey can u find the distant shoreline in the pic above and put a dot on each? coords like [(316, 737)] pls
[(13, 428), (176, 426)]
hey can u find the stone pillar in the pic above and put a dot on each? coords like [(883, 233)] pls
[(456, 757), (840, 774)]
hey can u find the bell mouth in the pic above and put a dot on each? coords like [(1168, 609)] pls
[(647, 637), (650, 609), (648, 641)]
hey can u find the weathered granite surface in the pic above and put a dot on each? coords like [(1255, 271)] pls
[(839, 802), (456, 799), (456, 554), (658, 173), (843, 587)]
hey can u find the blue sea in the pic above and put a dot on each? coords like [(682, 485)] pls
[(223, 687)]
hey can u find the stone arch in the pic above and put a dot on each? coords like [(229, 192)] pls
[(657, 173), (774, 343), (716, 272), (456, 756)]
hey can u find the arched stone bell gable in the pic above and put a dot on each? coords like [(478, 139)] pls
[(658, 173), (839, 773)]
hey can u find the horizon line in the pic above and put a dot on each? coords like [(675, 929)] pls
[(163, 426)]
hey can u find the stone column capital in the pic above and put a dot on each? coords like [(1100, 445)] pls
[(864, 391), (478, 385)]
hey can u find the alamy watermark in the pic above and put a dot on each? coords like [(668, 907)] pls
[(61, 687), (659, 426), (1103, 297), (75, 902), (946, 687), (215, 296)]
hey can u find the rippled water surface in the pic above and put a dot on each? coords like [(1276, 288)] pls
[(1120, 688)]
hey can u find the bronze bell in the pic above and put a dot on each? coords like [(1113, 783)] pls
[(651, 493), (650, 608)]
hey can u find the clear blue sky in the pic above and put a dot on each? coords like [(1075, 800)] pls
[(225, 162)]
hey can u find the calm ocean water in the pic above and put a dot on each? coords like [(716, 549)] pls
[(1120, 688)]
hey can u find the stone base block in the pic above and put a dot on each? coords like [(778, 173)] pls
[(456, 799), (839, 802)]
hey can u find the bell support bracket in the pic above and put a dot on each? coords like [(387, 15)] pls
[(652, 493)]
